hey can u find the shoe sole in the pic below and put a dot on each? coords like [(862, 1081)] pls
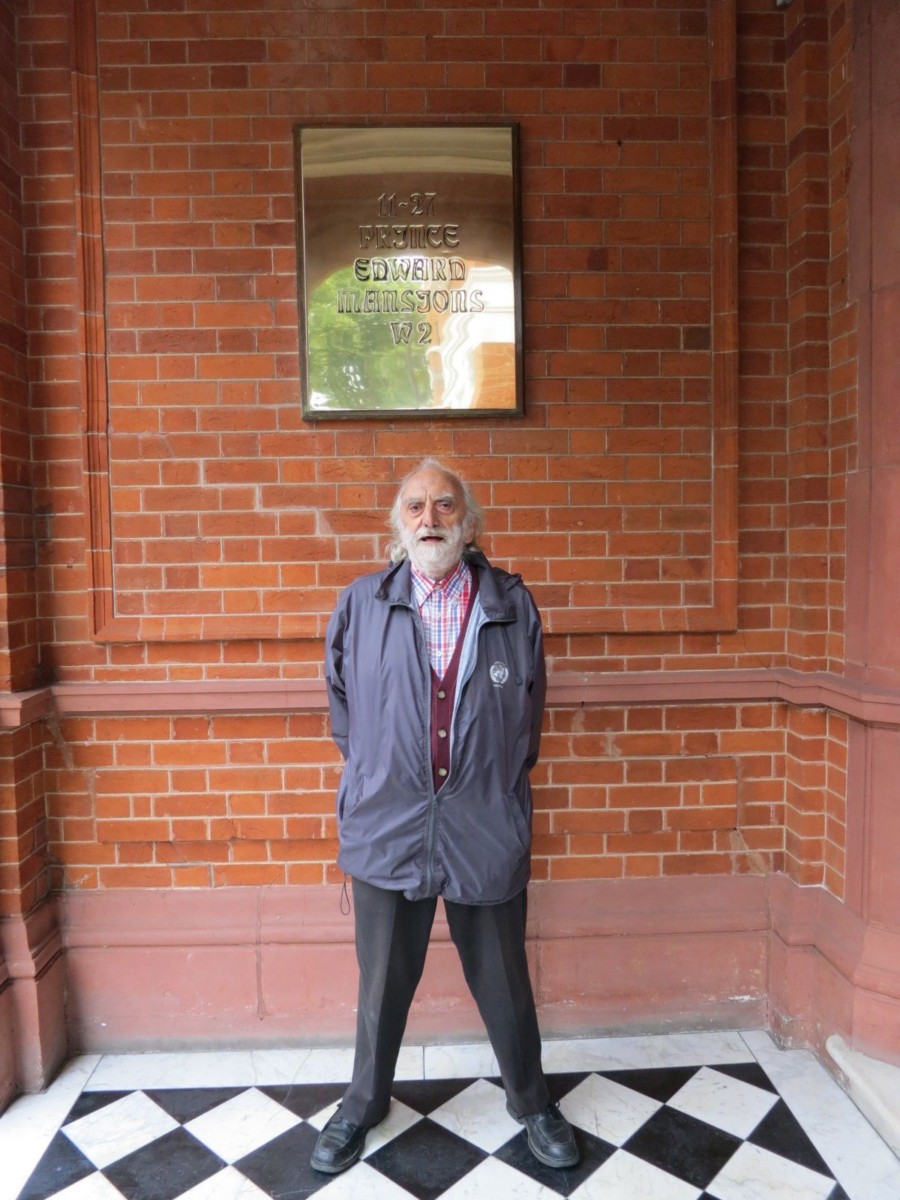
[(334, 1168)]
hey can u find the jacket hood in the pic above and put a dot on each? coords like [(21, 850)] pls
[(494, 586)]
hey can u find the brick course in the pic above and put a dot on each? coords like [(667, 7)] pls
[(198, 801)]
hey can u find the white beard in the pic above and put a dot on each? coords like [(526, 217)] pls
[(436, 559)]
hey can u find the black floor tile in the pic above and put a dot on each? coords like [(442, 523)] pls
[(426, 1159), (281, 1167), (305, 1099), (91, 1102), (560, 1085), (594, 1152), (425, 1095), (183, 1104), (165, 1168), (748, 1073), (659, 1083), (683, 1146), (781, 1132), (62, 1164)]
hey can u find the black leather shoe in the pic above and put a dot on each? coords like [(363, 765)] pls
[(550, 1137), (338, 1146)]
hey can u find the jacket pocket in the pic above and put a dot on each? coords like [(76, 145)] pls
[(520, 810), (349, 798)]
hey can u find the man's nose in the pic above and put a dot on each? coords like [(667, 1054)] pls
[(430, 513)]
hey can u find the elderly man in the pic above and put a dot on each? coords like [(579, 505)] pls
[(435, 675)]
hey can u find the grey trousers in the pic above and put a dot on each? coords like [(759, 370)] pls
[(392, 935)]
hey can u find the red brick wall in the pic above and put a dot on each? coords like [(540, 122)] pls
[(23, 851), (815, 800), (842, 378), (657, 791), (17, 657), (808, 248), (192, 801), (620, 793), (229, 525), (24, 858)]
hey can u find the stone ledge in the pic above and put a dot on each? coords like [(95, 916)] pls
[(874, 1087), (862, 701)]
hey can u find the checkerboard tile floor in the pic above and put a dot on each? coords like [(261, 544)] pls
[(649, 1125)]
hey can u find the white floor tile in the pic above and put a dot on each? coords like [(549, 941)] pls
[(494, 1180), (362, 1182), (607, 1109), (656, 1050), (755, 1174), (227, 1184), (320, 1119), (93, 1187), (317, 1064), (689, 1049), (457, 1062), (624, 1177), (862, 1163), (126, 1072), (119, 1128), (400, 1118), (720, 1100), (229, 1068), (410, 1063), (28, 1125), (241, 1125), (479, 1115)]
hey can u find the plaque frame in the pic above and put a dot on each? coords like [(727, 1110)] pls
[(409, 271)]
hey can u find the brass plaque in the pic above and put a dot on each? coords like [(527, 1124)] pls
[(409, 273)]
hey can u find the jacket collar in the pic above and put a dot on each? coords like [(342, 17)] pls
[(494, 586)]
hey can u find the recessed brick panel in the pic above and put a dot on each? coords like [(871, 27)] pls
[(629, 351)]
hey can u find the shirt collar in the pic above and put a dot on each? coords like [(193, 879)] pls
[(453, 584)]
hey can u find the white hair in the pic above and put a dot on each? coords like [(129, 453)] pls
[(472, 518)]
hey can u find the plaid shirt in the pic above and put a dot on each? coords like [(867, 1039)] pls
[(442, 605)]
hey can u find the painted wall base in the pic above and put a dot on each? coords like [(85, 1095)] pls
[(8, 1081), (244, 967), (33, 1044), (126, 971), (874, 1087), (277, 965), (830, 972)]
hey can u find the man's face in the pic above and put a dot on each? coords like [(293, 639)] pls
[(433, 522)]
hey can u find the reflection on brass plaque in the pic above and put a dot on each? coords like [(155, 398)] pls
[(408, 252)]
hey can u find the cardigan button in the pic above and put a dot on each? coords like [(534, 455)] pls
[(442, 733), (442, 771), (442, 695)]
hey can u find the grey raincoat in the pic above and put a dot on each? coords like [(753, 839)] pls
[(470, 841)]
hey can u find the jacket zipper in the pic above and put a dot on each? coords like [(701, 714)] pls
[(431, 819)]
